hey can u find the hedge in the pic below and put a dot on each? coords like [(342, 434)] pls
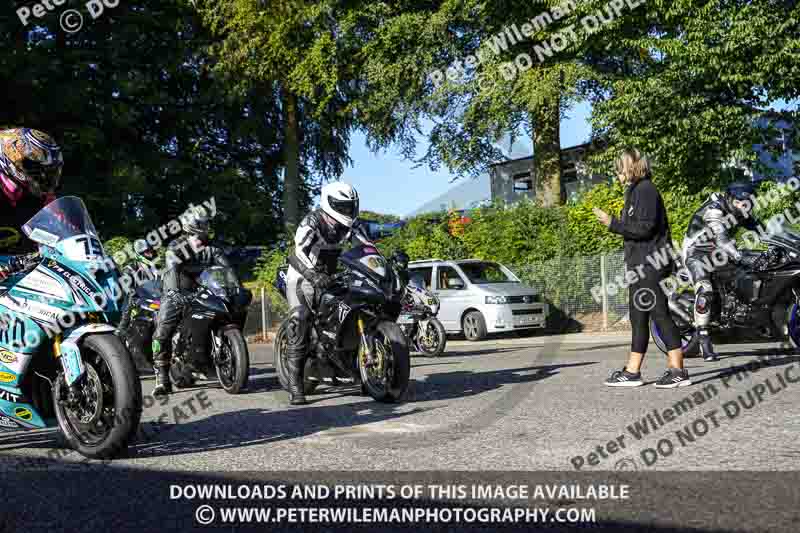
[(527, 234)]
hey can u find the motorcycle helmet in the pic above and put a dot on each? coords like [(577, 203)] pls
[(741, 192), (339, 200), (197, 223), (30, 160), (400, 259)]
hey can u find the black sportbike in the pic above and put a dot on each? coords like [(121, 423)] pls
[(354, 337), (756, 303), (209, 334)]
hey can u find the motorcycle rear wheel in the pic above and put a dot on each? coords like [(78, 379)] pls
[(110, 399), (689, 341)]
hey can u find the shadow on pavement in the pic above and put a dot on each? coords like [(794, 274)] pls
[(484, 351), (463, 383), (599, 347), (751, 366)]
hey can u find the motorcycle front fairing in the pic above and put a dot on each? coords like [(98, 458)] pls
[(73, 291)]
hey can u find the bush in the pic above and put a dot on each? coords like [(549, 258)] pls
[(265, 272)]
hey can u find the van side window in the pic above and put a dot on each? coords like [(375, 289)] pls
[(423, 274), (445, 274)]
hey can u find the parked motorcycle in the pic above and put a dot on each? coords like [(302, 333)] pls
[(418, 321), (209, 335), (58, 352), (758, 303), (354, 337)]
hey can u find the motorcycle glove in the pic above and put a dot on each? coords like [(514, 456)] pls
[(317, 279)]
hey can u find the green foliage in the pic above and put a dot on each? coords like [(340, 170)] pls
[(266, 272), (115, 245), (371, 216), (527, 233)]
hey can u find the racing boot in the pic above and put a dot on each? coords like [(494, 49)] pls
[(706, 346), (295, 366), (161, 360)]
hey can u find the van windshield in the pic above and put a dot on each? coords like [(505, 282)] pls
[(486, 272)]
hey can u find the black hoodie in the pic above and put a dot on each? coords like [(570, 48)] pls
[(643, 224)]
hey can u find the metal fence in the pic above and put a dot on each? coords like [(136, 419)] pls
[(584, 292)]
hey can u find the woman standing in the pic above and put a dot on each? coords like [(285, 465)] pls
[(644, 228)]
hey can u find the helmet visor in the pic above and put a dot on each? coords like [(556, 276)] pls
[(348, 208), (47, 177)]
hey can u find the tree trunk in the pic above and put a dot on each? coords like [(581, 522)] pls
[(547, 153), (291, 156)]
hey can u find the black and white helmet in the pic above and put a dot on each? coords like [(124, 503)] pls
[(340, 201), (197, 222)]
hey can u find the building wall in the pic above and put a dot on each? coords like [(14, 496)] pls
[(576, 177), (502, 176)]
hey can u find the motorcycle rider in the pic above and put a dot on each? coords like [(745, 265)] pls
[(143, 268), (400, 261), (711, 230), (187, 257), (30, 172), (333, 223)]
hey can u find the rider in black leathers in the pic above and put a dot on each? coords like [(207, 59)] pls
[(187, 257), (332, 224), (710, 233)]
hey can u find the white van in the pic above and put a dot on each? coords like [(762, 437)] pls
[(479, 297)]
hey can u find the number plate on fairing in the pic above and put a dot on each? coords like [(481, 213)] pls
[(405, 319), (72, 362)]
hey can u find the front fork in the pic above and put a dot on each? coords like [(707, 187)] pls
[(368, 354), (72, 364)]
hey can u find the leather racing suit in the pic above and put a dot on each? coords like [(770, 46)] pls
[(306, 277)]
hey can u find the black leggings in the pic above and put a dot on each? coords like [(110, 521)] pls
[(646, 298)]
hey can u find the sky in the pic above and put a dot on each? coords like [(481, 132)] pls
[(387, 183)]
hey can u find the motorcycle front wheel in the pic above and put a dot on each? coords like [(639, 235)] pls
[(101, 417), (385, 377), (433, 340), (689, 342), (233, 366)]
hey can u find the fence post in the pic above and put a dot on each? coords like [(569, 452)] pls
[(263, 315), (604, 290)]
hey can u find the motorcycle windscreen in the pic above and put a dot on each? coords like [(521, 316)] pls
[(367, 260), (60, 220)]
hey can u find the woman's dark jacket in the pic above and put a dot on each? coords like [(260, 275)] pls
[(644, 226)]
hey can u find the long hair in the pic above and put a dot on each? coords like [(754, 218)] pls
[(633, 165)]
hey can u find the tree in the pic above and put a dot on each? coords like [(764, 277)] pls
[(294, 48), (687, 80)]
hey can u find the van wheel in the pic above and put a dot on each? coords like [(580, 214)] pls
[(474, 326)]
